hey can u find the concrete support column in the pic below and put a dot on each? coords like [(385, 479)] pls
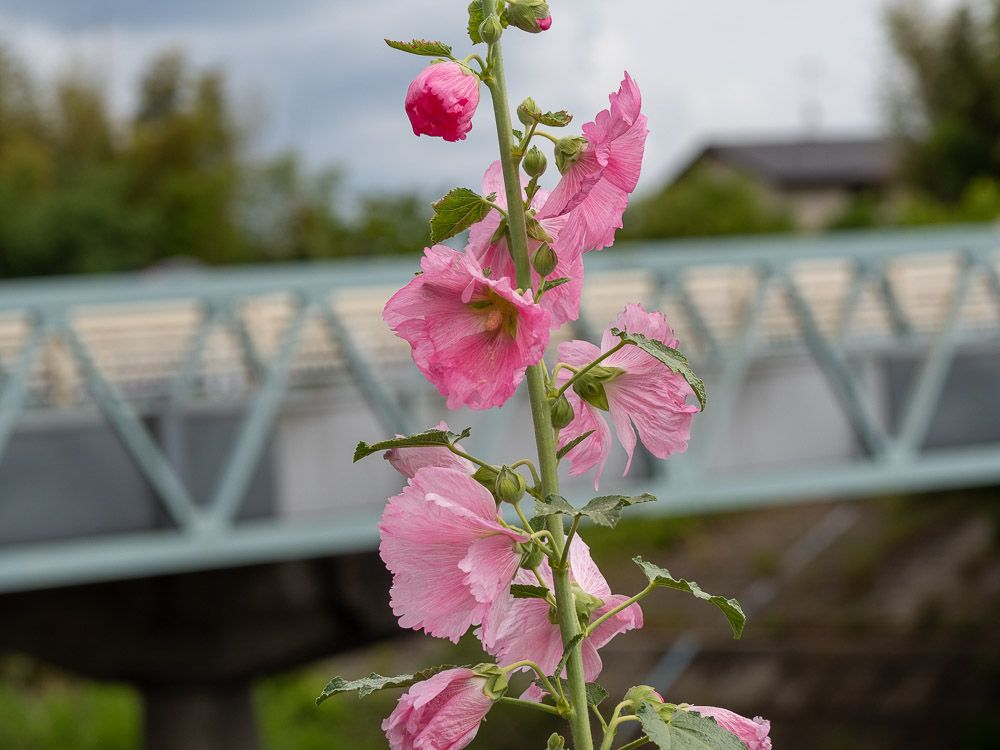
[(204, 717)]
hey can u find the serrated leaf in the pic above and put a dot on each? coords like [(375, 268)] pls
[(605, 510), (595, 694), (559, 119), (684, 730), (421, 47), (477, 15), (561, 453), (670, 357), (661, 577), (552, 284), (526, 591), (458, 210), (374, 682), (561, 666), (426, 439), (553, 505)]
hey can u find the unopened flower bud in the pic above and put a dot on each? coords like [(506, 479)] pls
[(562, 412), (642, 694), (592, 391), (568, 150), (528, 15), (528, 112), (535, 162), (544, 260), (496, 680), (556, 742), (486, 476), (490, 30), (510, 485)]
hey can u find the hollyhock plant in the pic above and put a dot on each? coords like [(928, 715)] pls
[(440, 713), (639, 392), (441, 101), (562, 302), (470, 335), (602, 171), (751, 732), (517, 629), (408, 462), (493, 545), (448, 553)]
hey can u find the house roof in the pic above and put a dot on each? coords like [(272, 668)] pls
[(853, 163)]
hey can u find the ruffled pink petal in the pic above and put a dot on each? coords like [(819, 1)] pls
[(455, 342), (490, 565), (441, 101), (751, 732), (440, 713), (591, 451), (628, 619)]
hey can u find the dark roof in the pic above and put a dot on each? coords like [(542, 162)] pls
[(859, 162)]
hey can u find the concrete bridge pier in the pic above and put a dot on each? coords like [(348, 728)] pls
[(194, 643)]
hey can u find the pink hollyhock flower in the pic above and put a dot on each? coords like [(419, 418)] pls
[(751, 732), (471, 336), (594, 189), (441, 101), (516, 629), (545, 23), (643, 395), (562, 302), (440, 713), (407, 461), (448, 553)]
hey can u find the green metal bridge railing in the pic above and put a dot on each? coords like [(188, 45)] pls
[(128, 346)]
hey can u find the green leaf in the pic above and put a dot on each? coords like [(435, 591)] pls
[(607, 509), (559, 119), (661, 577), (561, 453), (553, 505), (476, 17), (373, 682), (552, 284), (426, 439), (561, 666), (604, 511), (669, 356), (595, 694), (684, 730), (526, 591), (458, 210), (422, 47)]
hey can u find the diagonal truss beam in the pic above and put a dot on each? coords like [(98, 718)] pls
[(15, 387)]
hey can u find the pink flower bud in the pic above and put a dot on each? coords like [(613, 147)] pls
[(545, 23), (442, 100)]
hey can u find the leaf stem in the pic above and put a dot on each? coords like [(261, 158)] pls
[(531, 467), (542, 677), (551, 137), (636, 743), (569, 540), (530, 704), (612, 612), (467, 457)]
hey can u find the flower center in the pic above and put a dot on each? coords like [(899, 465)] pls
[(499, 315)]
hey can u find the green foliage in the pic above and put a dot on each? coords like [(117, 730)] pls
[(947, 107), (705, 202), (82, 192), (422, 47), (376, 682), (458, 210), (669, 357), (661, 578), (425, 439), (604, 511), (683, 730)]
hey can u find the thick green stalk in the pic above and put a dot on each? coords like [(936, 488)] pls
[(545, 441)]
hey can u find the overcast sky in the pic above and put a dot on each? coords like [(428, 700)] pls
[(314, 75)]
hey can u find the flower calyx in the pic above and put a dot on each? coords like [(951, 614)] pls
[(535, 162), (556, 742), (561, 412), (568, 150), (528, 111), (491, 29), (496, 680), (590, 385), (544, 260), (586, 604)]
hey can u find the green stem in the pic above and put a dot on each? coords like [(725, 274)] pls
[(467, 457), (551, 137), (569, 626), (530, 704), (584, 370), (531, 467), (635, 743), (624, 605), (569, 540), (537, 670)]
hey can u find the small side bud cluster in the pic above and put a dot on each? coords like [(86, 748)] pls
[(544, 260), (532, 16), (561, 412)]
